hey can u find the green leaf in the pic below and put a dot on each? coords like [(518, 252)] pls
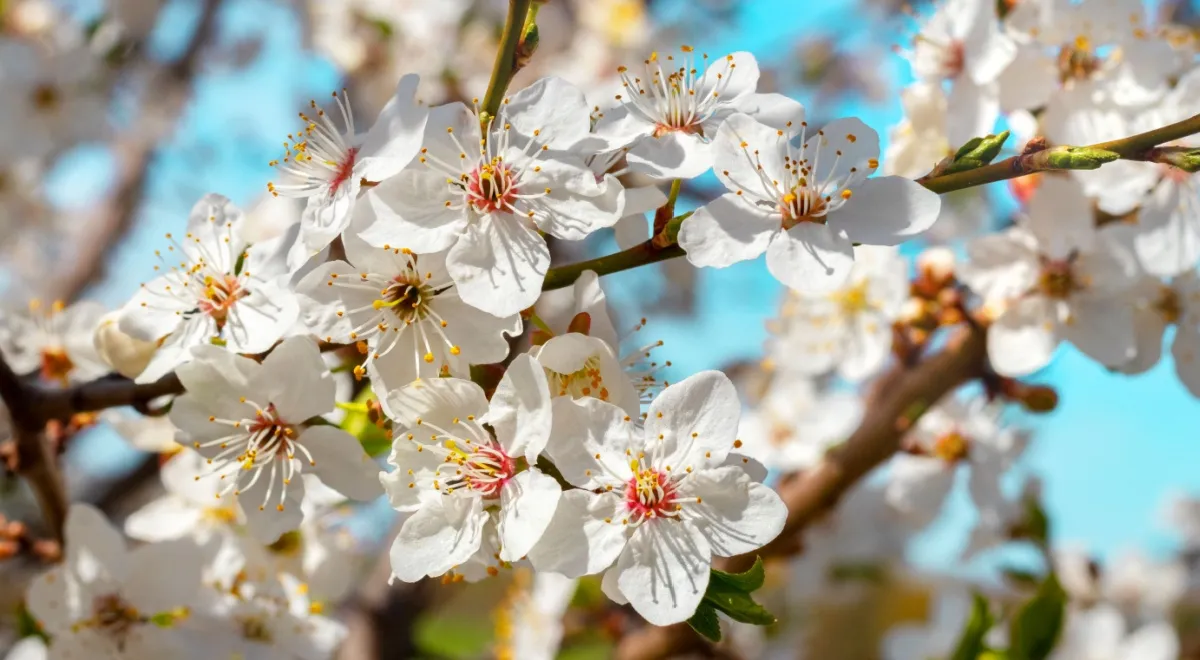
[(749, 581), (730, 593), (27, 626), (977, 152), (1036, 626), (672, 229), (705, 622), (970, 644)]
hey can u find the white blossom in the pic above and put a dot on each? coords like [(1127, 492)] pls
[(54, 341), (848, 329), (795, 423), (963, 43), (658, 501), (1101, 633), (1054, 276), (804, 207), (953, 433), (453, 472), (668, 118), (215, 291), (109, 602), (405, 310), (529, 623), (190, 507), (486, 197), (329, 166), (249, 419)]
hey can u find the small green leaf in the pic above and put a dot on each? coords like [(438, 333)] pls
[(705, 622), (749, 581), (1036, 626), (967, 148), (27, 626), (970, 644), (671, 231), (730, 593), (977, 152)]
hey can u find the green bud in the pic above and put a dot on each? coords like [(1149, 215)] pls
[(1078, 158), (977, 152), (671, 231), (1184, 158)]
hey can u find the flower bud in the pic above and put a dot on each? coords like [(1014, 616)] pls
[(126, 355), (936, 266)]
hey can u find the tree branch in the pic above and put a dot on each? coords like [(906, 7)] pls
[(505, 66), (1134, 147), (899, 399), (34, 460)]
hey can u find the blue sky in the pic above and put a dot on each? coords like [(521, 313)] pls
[(1116, 446)]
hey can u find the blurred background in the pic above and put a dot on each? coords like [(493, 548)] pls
[(142, 106)]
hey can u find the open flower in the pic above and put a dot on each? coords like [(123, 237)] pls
[(668, 118), (404, 311), (107, 601), (953, 433), (54, 341), (249, 419), (848, 329), (1054, 276), (1158, 305), (210, 294), (329, 166), (963, 43), (804, 207), (452, 471), (189, 507), (486, 196), (660, 501)]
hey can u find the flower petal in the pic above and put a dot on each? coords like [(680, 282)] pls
[(589, 440), (696, 420), (499, 264), (396, 135), (672, 155), (888, 210), (664, 571), (552, 107), (409, 211), (727, 230), (527, 504), (736, 514), (520, 409), (296, 380), (584, 537), (437, 400), (340, 462), (438, 537), (1025, 336), (167, 577), (811, 258)]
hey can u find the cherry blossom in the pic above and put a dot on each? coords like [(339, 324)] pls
[(487, 196), (669, 117), (642, 491), (848, 329), (329, 166), (54, 341), (795, 423), (108, 601), (217, 290), (452, 471), (804, 207), (1054, 276), (405, 311), (251, 421)]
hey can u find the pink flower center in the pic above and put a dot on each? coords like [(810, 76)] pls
[(491, 187), (650, 494), (1057, 280), (220, 295), (344, 171), (953, 59), (803, 204), (485, 469)]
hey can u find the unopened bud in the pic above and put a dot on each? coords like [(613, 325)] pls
[(1184, 158), (1034, 398), (126, 355), (1079, 158)]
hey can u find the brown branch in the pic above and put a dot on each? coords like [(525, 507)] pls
[(899, 398), (35, 463)]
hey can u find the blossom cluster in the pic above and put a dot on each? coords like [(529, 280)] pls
[(405, 337)]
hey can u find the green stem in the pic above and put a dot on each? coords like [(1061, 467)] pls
[(1128, 148), (505, 65), (663, 215), (1134, 147)]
